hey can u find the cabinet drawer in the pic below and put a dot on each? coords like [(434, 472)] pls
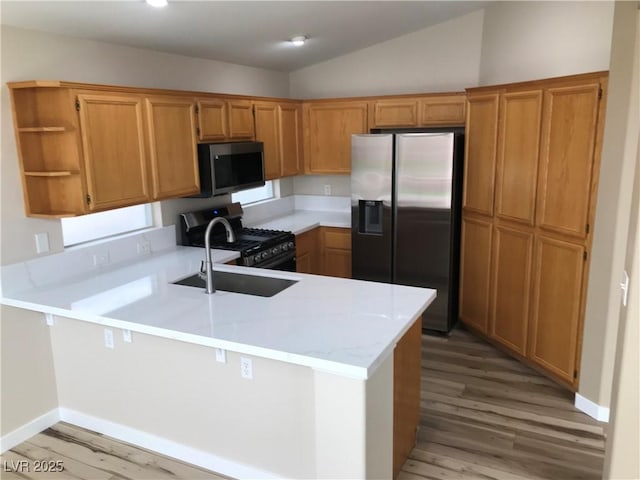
[(337, 238)]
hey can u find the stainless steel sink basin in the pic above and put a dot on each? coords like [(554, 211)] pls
[(240, 283)]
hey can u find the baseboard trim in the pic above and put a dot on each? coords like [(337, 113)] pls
[(164, 446), (28, 430), (591, 408)]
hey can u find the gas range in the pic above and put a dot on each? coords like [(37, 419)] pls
[(258, 247)]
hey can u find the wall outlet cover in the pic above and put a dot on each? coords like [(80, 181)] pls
[(108, 338), (246, 368), (221, 355)]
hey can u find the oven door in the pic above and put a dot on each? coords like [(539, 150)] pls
[(286, 262)]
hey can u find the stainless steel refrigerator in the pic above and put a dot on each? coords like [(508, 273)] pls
[(406, 205)]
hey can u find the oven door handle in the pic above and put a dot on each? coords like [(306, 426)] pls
[(276, 261)]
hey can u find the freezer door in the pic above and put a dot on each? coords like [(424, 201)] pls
[(423, 218), (371, 195)]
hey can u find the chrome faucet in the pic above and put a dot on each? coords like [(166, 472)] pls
[(208, 264)]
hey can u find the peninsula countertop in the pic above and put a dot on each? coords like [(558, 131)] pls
[(346, 327)]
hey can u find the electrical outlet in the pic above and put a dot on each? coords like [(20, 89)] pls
[(327, 189), (246, 368), (108, 338), (48, 318), (144, 247), (126, 336), (221, 355), (42, 242), (100, 259)]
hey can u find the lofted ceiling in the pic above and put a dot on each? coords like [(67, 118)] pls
[(252, 33)]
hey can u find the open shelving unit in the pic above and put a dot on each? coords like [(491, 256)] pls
[(49, 149)]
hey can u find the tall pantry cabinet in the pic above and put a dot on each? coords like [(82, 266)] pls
[(531, 170)]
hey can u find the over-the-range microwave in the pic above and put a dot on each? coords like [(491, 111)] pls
[(230, 167)]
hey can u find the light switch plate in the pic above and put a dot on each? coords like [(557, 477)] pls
[(126, 336), (42, 242), (48, 318), (221, 355)]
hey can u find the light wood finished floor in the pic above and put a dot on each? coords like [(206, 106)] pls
[(484, 416)]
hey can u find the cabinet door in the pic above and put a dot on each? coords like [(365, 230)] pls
[(240, 114), (336, 252), (212, 120), (172, 146), (480, 153), (566, 158), (517, 168), (395, 113), (113, 142), (290, 116), (475, 268), (267, 133), (555, 316), (512, 254), (442, 110), (329, 130), (307, 252)]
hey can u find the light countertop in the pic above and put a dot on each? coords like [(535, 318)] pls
[(342, 326)]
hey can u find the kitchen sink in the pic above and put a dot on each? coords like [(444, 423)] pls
[(240, 283)]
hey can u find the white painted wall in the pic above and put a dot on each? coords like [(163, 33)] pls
[(441, 58), (531, 40), (30, 55)]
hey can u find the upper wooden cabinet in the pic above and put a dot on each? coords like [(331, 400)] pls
[(480, 153), (172, 146), (278, 126), (112, 135), (517, 165), (567, 156), (328, 130), (418, 111), (86, 148), (222, 119)]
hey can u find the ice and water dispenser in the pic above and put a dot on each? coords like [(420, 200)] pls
[(370, 217)]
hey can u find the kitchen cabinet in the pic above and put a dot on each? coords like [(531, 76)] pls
[(221, 119), (548, 136), (511, 286), (480, 153), (336, 251), (308, 251), (328, 126), (112, 134), (49, 150), (172, 146), (475, 270), (278, 126), (86, 148), (557, 304), (418, 111)]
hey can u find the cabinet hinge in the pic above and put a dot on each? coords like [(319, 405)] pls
[(88, 199), (584, 255), (600, 93), (77, 105)]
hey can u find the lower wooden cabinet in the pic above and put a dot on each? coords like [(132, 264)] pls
[(511, 284), (475, 268), (558, 275), (307, 251), (324, 251), (407, 362), (336, 251)]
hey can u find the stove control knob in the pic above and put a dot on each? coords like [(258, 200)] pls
[(285, 247), (292, 245), (265, 255), (257, 258), (276, 250)]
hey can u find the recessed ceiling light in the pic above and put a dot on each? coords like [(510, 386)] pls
[(299, 40), (157, 3)]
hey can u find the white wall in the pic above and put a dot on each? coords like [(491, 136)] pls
[(441, 58), (530, 40), (30, 55)]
